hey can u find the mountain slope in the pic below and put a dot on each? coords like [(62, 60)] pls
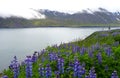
[(55, 18)]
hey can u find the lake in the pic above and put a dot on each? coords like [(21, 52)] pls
[(24, 41)]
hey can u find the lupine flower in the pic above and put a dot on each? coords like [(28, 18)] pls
[(41, 71), (114, 74), (75, 49), (90, 53), (53, 56), (5, 76), (82, 51), (15, 67), (71, 64), (34, 57), (92, 73), (48, 71), (99, 57), (79, 71), (115, 33), (42, 59), (50, 56), (61, 65), (28, 62), (57, 73), (69, 46), (76, 64), (104, 34), (43, 51), (108, 51)]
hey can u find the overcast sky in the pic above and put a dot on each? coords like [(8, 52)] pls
[(22, 7)]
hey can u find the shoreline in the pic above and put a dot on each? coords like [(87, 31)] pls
[(58, 27)]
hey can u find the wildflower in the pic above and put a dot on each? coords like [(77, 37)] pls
[(79, 71), (99, 57), (41, 70), (48, 71), (92, 73), (57, 73), (15, 67), (114, 74), (28, 62), (61, 65), (5, 76)]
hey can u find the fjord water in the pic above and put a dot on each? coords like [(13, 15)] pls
[(24, 41)]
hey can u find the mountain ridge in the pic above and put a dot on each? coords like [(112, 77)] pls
[(102, 17)]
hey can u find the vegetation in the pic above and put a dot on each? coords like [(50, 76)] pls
[(97, 56), (55, 18)]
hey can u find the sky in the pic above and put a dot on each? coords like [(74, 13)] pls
[(24, 8)]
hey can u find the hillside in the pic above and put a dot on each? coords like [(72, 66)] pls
[(97, 56), (102, 17)]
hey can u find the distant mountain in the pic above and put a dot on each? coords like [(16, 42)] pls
[(54, 18)]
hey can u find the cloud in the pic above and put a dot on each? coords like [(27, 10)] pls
[(22, 7)]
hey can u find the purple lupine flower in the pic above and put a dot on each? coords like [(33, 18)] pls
[(115, 33), (50, 56), (53, 56), (41, 71), (108, 51), (48, 71), (79, 71), (69, 46), (43, 51), (28, 62), (92, 73), (82, 51), (99, 57), (71, 64), (5, 76), (76, 64), (57, 73), (104, 34), (90, 53), (34, 57), (75, 48), (114, 74), (42, 59), (86, 76), (60, 65), (15, 67)]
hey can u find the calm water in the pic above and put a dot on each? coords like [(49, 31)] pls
[(22, 42)]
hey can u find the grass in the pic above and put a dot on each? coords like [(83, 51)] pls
[(85, 51)]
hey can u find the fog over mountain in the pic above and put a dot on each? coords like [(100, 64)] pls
[(45, 17), (28, 14)]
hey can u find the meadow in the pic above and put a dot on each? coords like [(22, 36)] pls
[(97, 56)]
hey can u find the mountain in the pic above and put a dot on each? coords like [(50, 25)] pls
[(88, 17)]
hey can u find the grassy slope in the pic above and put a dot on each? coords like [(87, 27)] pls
[(100, 41)]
